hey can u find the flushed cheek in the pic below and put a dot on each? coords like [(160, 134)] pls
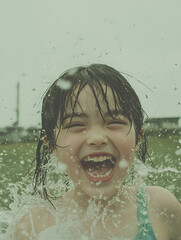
[(72, 142), (68, 155), (125, 147), (72, 165), (126, 150), (69, 146)]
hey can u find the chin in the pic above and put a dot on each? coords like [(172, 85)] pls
[(100, 192)]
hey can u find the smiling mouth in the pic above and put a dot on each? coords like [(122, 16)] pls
[(99, 168)]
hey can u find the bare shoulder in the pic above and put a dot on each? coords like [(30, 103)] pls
[(32, 223), (165, 207), (163, 199)]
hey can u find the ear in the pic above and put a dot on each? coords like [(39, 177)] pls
[(45, 139), (139, 139), (46, 142)]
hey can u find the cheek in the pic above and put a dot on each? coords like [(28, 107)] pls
[(67, 156), (126, 145), (69, 159), (68, 152), (68, 144)]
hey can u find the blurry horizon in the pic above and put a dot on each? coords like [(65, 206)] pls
[(40, 40)]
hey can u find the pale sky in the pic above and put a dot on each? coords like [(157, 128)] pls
[(41, 38)]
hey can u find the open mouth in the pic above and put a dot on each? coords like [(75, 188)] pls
[(99, 168)]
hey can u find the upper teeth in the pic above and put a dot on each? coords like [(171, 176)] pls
[(98, 158)]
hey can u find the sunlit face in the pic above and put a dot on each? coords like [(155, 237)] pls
[(98, 153)]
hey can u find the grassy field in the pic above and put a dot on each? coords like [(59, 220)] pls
[(165, 153), (15, 161)]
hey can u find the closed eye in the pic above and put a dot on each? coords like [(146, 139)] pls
[(72, 125), (117, 122)]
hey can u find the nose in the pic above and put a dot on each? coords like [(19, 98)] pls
[(97, 138)]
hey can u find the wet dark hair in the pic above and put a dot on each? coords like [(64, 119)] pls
[(62, 91)]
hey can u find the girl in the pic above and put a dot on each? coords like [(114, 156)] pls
[(92, 121)]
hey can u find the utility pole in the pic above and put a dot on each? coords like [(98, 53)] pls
[(17, 104)]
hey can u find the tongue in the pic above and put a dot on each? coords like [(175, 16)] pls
[(97, 168), (98, 171)]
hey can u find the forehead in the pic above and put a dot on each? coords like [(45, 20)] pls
[(86, 99)]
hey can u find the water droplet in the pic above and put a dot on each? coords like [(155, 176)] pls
[(178, 152), (72, 71), (64, 84), (62, 166), (123, 164), (143, 173), (98, 183)]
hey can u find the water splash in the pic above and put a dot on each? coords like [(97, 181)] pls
[(123, 164), (68, 221), (64, 84), (178, 152)]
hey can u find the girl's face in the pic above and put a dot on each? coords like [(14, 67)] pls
[(98, 153)]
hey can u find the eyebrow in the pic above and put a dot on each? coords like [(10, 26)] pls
[(84, 115), (75, 114), (114, 113)]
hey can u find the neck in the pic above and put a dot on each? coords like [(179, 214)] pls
[(85, 202)]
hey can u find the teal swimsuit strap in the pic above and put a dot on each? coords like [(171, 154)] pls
[(145, 230)]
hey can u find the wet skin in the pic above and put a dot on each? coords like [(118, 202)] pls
[(90, 134)]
